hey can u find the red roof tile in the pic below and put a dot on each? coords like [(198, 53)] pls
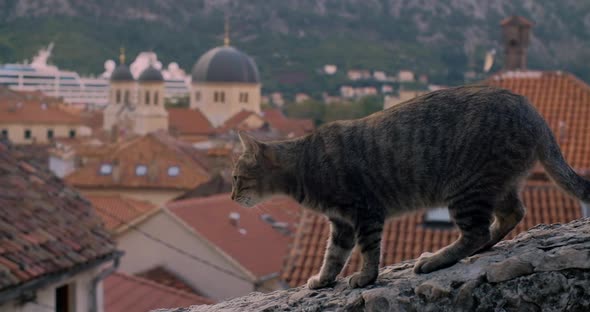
[(234, 122), (117, 211), (288, 126), (125, 293), (563, 100), (157, 151), (209, 217), (406, 237), (34, 112), (188, 121), (164, 277), (46, 228)]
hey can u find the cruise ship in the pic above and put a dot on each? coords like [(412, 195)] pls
[(90, 92)]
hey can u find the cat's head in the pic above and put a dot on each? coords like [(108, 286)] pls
[(255, 172)]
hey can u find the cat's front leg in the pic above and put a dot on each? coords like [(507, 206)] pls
[(368, 235), (340, 244)]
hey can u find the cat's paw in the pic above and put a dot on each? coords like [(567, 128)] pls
[(429, 262), (315, 282), (360, 280)]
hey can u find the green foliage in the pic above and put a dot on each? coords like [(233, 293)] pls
[(320, 112)]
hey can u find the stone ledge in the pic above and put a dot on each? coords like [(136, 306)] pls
[(544, 269)]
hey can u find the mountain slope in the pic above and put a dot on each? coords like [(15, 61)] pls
[(291, 39)]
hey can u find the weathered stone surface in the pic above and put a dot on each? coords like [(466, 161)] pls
[(544, 269)]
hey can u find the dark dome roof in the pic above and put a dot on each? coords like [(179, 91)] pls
[(225, 64), (121, 73), (151, 74)]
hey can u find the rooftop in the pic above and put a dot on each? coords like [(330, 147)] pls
[(126, 293), (117, 211), (155, 160), (34, 112), (46, 228), (264, 229), (188, 121)]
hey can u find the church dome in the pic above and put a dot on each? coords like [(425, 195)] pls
[(151, 74), (225, 64), (121, 73)]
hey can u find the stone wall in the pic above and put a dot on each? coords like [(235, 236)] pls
[(544, 269)]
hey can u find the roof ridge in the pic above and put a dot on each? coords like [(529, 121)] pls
[(160, 286)]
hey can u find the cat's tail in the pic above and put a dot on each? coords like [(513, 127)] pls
[(560, 172)]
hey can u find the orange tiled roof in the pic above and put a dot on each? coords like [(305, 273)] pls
[(563, 100), (188, 121), (158, 152), (125, 293), (46, 228), (164, 277), (209, 217), (117, 211), (234, 122), (34, 112), (287, 126), (406, 237)]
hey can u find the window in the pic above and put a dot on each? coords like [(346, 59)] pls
[(243, 97), (219, 97), (173, 171), (5, 133), (126, 96), (118, 97), (140, 170), (64, 299), (147, 97), (156, 98), (27, 133), (72, 134), (106, 169), (50, 134), (197, 96), (438, 217)]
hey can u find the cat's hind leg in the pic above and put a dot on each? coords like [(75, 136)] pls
[(472, 213), (340, 244), (508, 213)]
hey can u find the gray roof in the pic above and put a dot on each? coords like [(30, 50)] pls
[(151, 74), (225, 64), (121, 73)]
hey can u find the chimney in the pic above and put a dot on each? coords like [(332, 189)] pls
[(234, 218), (515, 38)]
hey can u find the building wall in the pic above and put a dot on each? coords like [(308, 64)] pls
[(141, 254), (16, 132), (45, 297), (150, 114), (111, 112), (218, 112), (156, 197)]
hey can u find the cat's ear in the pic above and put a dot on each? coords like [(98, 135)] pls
[(249, 144)]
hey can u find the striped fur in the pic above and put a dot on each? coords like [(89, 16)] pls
[(467, 148)]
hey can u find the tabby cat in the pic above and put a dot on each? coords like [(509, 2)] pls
[(466, 148)]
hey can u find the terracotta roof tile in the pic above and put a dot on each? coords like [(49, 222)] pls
[(287, 126), (564, 102), (234, 122), (406, 237), (34, 112), (209, 217), (125, 293), (117, 211), (188, 121), (158, 152), (164, 277), (45, 227)]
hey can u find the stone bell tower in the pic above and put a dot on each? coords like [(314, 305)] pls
[(516, 31)]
